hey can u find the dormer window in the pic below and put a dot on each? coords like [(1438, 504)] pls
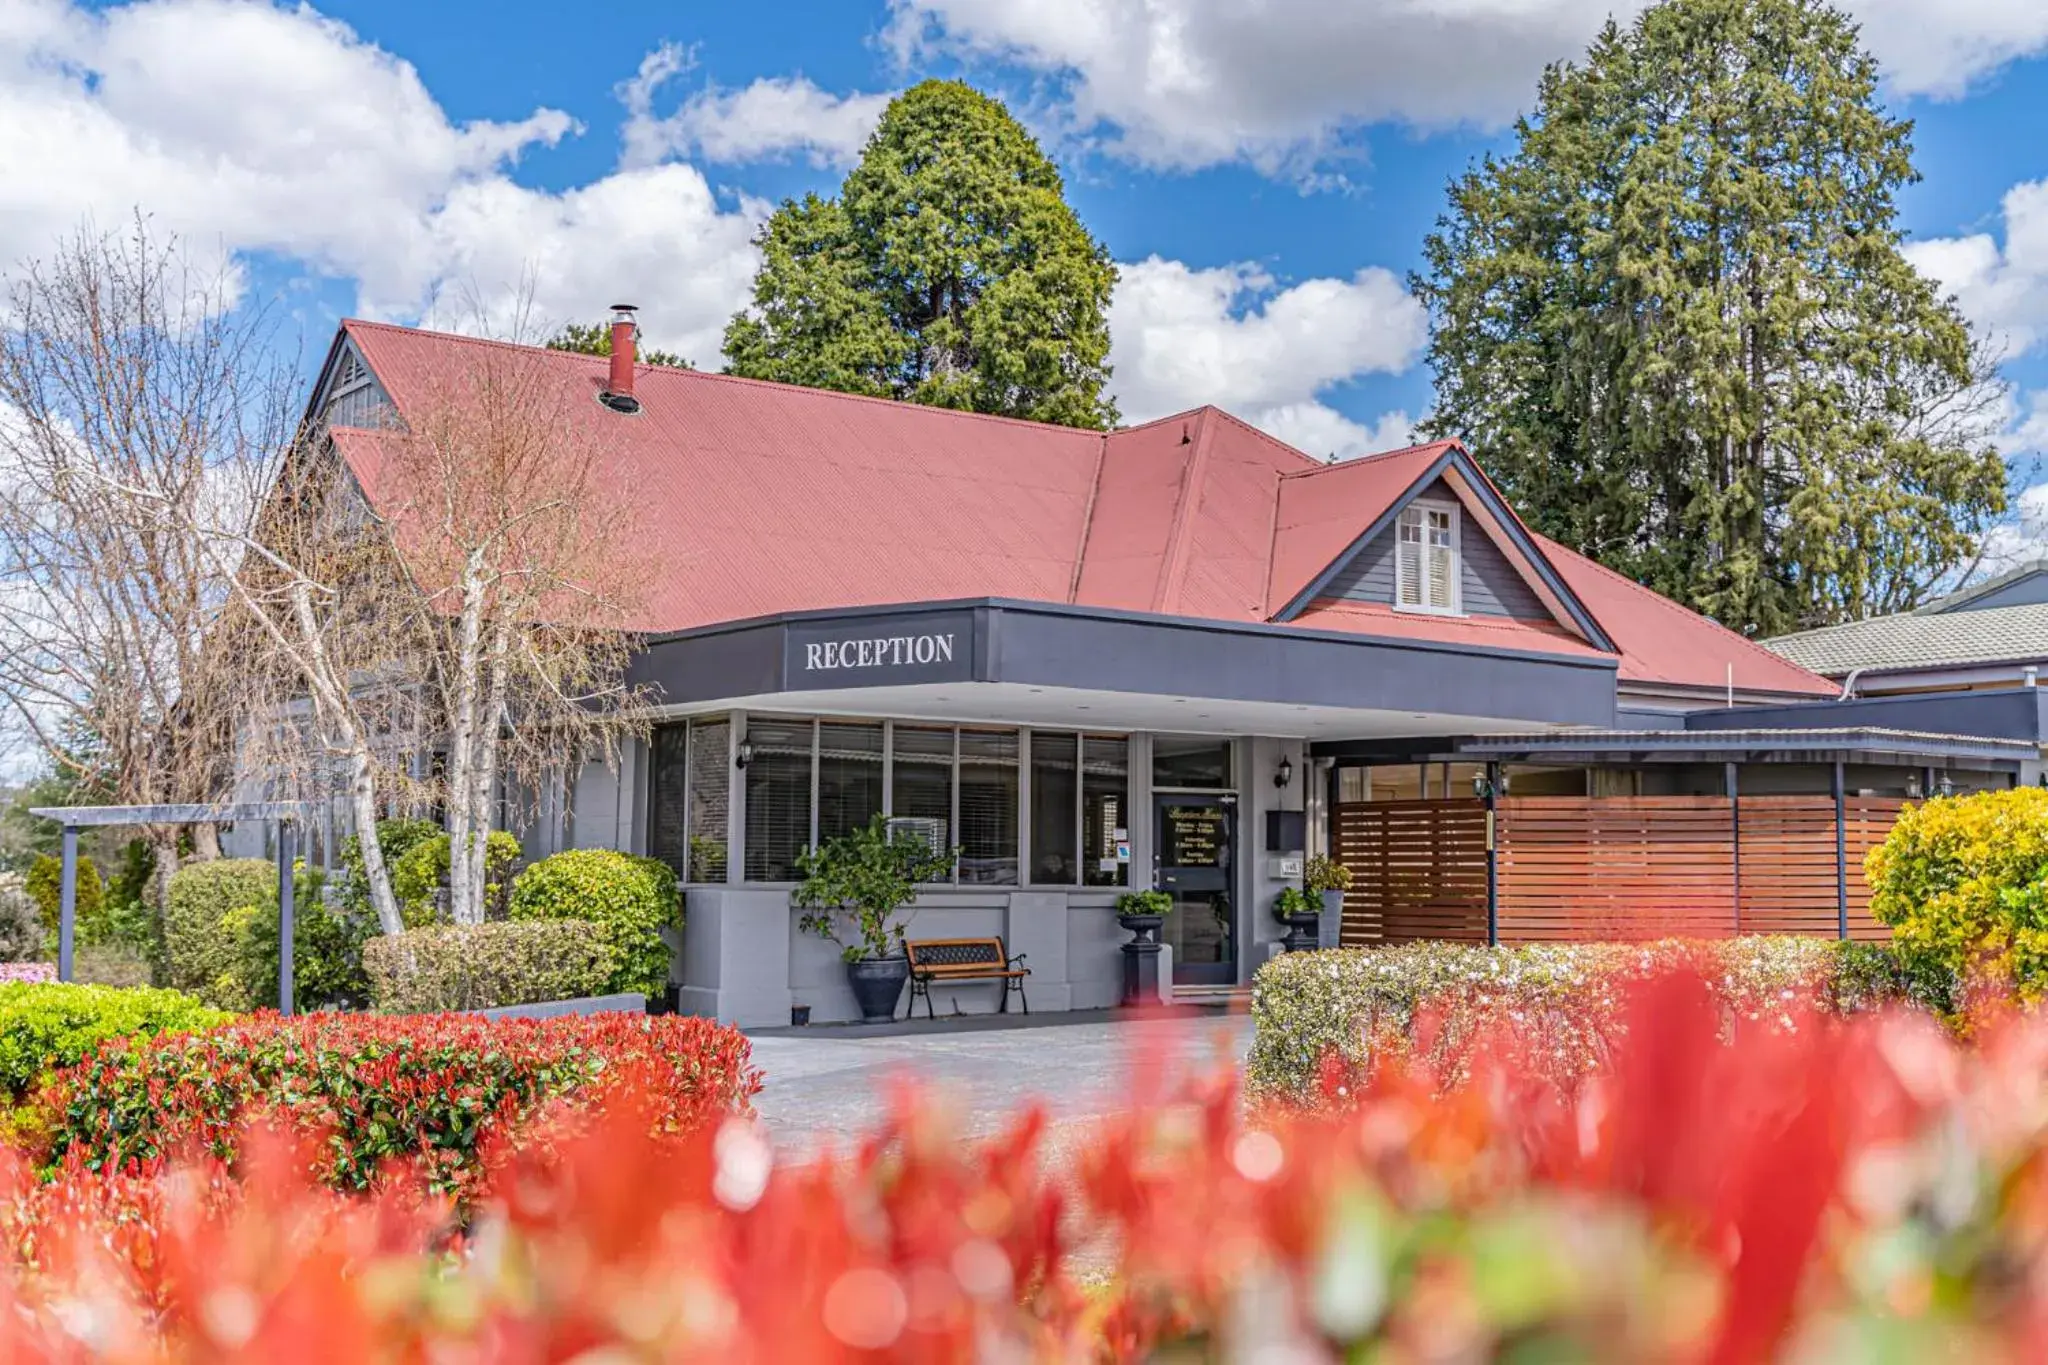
[(1426, 559)]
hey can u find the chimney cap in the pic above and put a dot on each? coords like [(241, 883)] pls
[(623, 312)]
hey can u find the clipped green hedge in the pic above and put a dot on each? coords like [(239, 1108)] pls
[(1346, 1007), (476, 966), (45, 1026), (634, 898)]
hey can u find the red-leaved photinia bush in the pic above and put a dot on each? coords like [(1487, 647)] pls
[(425, 1091), (1833, 1190)]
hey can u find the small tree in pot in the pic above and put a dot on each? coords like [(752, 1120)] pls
[(852, 890)]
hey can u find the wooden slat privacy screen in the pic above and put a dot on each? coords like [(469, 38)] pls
[(1418, 870), (1588, 868)]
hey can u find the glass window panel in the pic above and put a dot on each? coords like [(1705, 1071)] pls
[(988, 807), (710, 798), (1055, 794), (1190, 761), (778, 798), (668, 805), (1105, 809), (849, 777), (922, 780)]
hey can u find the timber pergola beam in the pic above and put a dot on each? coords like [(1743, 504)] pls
[(75, 818)]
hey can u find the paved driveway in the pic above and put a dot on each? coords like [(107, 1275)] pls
[(824, 1085)]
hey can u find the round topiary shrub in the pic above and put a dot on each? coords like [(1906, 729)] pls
[(634, 898), (200, 954)]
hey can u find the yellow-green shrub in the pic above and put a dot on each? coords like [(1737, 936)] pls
[(45, 1026), (1964, 880), (634, 898), (419, 873)]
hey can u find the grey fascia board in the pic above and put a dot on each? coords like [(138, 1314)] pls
[(1280, 629)]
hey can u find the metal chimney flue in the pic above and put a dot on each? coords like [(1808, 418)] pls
[(618, 392)]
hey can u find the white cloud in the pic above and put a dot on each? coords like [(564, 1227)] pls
[(770, 119), (1229, 336), (1186, 83), (2002, 288), (268, 129)]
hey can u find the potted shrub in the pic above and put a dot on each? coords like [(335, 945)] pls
[(853, 888), (1142, 912), (1327, 879), (1300, 912)]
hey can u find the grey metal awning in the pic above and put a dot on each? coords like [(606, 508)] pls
[(173, 814), (1863, 744)]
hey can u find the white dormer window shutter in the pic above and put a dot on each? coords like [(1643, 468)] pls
[(1426, 571)]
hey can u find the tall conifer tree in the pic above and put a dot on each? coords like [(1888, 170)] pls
[(1676, 324), (950, 270)]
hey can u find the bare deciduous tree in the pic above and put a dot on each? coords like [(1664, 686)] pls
[(520, 537), (124, 365)]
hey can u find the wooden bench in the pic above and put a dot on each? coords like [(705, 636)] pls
[(963, 959)]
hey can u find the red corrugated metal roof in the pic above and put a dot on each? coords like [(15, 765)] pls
[(1323, 509), (764, 498), (1662, 642)]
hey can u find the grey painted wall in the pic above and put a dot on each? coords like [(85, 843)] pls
[(1488, 583)]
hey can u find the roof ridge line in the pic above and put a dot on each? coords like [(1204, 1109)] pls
[(1088, 521), (1174, 570), (1269, 438), (1318, 467), (721, 377)]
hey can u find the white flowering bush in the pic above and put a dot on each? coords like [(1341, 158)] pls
[(1322, 1020)]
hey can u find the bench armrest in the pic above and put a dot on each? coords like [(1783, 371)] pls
[(1018, 958)]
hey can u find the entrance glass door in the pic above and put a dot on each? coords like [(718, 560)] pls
[(1196, 839)]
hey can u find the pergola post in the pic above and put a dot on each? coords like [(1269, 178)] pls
[(285, 915), (67, 912)]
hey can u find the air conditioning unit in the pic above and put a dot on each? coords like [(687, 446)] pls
[(928, 831)]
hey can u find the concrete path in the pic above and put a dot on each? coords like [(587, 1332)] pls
[(824, 1085)]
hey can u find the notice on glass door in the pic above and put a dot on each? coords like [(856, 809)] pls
[(1194, 837)]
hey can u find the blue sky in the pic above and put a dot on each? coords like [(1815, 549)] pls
[(1266, 174)]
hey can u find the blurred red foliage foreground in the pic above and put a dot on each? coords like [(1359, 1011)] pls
[(1824, 1191)]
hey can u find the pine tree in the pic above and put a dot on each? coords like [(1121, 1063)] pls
[(1676, 325), (595, 338), (949, 270)]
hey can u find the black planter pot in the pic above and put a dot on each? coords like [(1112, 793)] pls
[(877, 982), (1144, 928), (1301, 931)]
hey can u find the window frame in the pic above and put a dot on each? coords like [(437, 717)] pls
[(1419, 509)]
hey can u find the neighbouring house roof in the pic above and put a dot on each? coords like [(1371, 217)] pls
[(1992, 592), (763, 498), (1911, 640)]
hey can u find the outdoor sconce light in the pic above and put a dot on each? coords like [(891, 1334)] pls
[(1286, 773), (1482, 788), (743, 755), (1944, 787), (1912, 786)]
